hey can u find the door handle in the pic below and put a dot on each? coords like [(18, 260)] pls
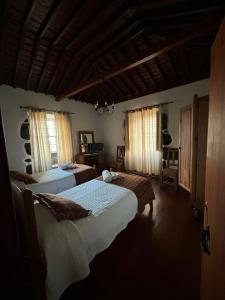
[(205, 240)]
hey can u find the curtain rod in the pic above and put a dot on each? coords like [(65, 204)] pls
[(150, 106), (44, 109)]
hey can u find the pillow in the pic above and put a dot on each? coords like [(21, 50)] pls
[(61, 207), (26, 178)]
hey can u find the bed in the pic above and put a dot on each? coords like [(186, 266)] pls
[(57, 180), (83, 173), (74, 244)]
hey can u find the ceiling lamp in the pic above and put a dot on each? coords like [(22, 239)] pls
[(106, 109)]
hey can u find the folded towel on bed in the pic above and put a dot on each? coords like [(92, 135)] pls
[(107, 176)]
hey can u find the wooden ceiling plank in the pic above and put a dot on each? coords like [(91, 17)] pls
[(34, 54), (69, 22), (56, 6), (185, 13), (149, 5), (119, 78), (125, 79), (152, 79), (203, 29), (137, 69), (132, 83), (79, 72), (93, 20), (112, 84), (92, 54), (171, 64), (147, 70), (160, 71), (31, 7), (44, 67)]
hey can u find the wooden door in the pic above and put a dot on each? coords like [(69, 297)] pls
[(12, 268), (213, 265), (185, 147), (200, 132)]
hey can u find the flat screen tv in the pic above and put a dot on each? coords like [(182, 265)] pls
[(95, 147)]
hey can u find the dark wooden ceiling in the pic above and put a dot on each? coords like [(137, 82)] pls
[(52, 46)]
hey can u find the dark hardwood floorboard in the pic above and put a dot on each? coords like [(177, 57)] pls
[(156, 257)]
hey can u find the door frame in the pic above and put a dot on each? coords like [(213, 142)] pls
[(185, 108)]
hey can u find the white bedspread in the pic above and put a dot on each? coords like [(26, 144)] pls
[(70, 246), (52, 181)]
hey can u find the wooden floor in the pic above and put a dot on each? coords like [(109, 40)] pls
[(156, 257)]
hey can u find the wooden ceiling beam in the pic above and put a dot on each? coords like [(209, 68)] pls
[(31, 9), (69, 22), (56, 71), (160, 71), (34, 54), (201, 30), (109, 41), (119, 78), (56, 6), (147, 70), (79, 73), (125, 80), (150, 5), (44, 67), (140, 76), (184, 13), (112, 82), (171, 65), (129, 78), (109, 32), (101, 13)]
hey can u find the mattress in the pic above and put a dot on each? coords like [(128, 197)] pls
[(52, 181), (70, 246)]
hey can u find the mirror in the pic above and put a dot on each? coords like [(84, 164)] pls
[(85, 137)]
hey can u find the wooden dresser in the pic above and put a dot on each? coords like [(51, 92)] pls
[(91, 159)]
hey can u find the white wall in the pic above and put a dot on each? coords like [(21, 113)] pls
[(10, 101), (108, 129), (111, 127)]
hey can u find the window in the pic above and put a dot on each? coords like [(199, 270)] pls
[(52, 138)]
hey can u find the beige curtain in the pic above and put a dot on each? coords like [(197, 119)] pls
[(63, 138), (141, 131), (40, 147)]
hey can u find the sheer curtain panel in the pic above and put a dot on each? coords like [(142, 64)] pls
[(63, 138), (40, 147), (141, 141)]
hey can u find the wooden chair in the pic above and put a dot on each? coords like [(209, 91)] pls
[(170, 168)]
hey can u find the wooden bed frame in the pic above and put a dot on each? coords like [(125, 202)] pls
[(33, 254)]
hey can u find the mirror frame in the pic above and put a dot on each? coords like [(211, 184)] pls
[(85, 132)]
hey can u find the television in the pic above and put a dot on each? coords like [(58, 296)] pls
[(95, 147)]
